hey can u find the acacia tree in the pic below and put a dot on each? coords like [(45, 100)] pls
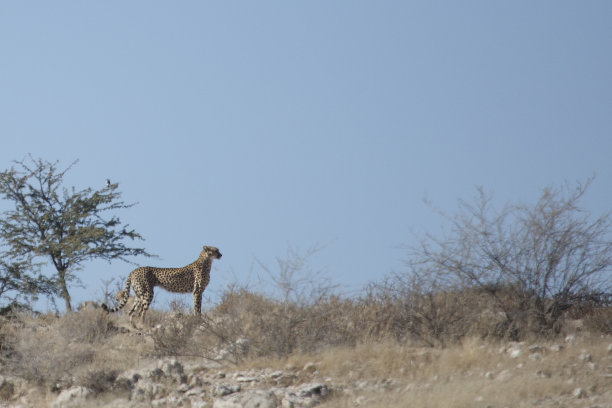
[(19, 280), (534, 261), (63, 227)]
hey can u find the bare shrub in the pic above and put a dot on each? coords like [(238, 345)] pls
[(98, 380), (39, 353), (411, 309), (271, 327), (302, 312), (533, 262), (86, 326), (174, 336)]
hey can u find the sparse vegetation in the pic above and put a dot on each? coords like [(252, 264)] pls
[(63, 227), (505, 294), (92, 349)]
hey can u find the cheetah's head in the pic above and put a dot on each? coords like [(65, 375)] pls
[(210, 252)]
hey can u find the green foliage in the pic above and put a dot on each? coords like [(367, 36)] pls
[(20, 282), (64, 227)]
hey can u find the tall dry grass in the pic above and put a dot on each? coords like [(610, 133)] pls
[(447, 340), (79, 348)]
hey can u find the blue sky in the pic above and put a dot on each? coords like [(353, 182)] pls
[(254, 126)]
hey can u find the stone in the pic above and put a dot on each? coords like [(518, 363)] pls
[(503, 375), (7, 388), (579, 393), (222, 390), (156, 374), (543, 374), (131, 376), (200, 403), (310, 368), (556, 348), (242, 345), (146, 390), (172, 368), (286, 380), (313, 390), (240, 377), (183, 388), (276, 374), (72, 397), (194, 380), (535, 356), (585, 357), (251, 399)]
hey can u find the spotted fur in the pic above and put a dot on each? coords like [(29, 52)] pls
[(192, 278)]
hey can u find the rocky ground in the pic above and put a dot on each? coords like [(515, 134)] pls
[(176, 383), (573, 372), (89, 359)]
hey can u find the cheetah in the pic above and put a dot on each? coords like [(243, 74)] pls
[(191, 278)]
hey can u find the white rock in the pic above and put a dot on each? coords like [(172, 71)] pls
[(72, 397), (200, 403), (543, 374), (227, 403), (156, 374), (535, 356), (160, 403), (585, 357), (242, 345), (276, 374), (556, 347), (245, 379), (252, 399), (315, 390), (536, 349), (310, 368), (503, 375), (7, 388), (172, 368), (194, 380), (146, 390), (579, 393), (222, 390)]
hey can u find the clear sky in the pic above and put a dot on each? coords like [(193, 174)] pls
[(254, 126)]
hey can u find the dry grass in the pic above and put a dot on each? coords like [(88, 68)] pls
[(353, 342), (473, 373), (75, 349)]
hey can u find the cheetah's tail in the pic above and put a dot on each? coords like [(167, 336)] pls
[(124, 299)]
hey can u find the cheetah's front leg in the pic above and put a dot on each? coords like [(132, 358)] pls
[(197, 300)]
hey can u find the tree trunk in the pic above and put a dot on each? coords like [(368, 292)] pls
[(64, 290)]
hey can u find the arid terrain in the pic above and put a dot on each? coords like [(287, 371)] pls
[(92, 359)]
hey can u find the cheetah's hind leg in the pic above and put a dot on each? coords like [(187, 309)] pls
[(135, 308)]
